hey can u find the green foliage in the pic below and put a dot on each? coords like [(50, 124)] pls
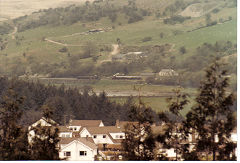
[(5, 28), (213, 114), (175, 19), (13, 138), (63, 50), (44, 144), (139, 141), (146, 39), (174, 136)]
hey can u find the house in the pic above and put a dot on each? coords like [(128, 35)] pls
[(65, 132), (104, 135), (41, 122), (77, 149), (168, 73), (76, 125)]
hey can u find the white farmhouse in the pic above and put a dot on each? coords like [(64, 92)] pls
[(77, 149)]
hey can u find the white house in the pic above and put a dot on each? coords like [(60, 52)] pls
[(65, 132), (77, 125), (77, 149), (104, 135)]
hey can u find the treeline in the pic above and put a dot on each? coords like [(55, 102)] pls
[(68, 102), (86, 13), (175, 19), (5, 28)]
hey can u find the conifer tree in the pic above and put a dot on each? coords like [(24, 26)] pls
[(212, 117), (44, 145), (174, 134), (139, 142), (13, 139)]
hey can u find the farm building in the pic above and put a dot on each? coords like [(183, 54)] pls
[(168, 72)]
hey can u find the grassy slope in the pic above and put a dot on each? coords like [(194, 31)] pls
[(130, 34)]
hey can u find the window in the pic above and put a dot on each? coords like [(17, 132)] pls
[(104, 136), (94, 136), (121, 136), (63, 135), (83, 153), (67, 153), (117, 136), (67, 136), (75, 128)]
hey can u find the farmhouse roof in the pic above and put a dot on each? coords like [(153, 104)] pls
[(86, 141), (85, 123)]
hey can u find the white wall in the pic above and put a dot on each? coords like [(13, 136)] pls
[(117, 135), (84, 133), (75, 147), (101, 124), (65, 134), (75, 127), (100, 140)]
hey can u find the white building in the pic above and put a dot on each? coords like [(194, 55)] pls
[(77, 125), (77, 149), (65, 132), (104, 135)]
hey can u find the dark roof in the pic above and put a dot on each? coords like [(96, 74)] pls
[(87, 141), (85, 123)]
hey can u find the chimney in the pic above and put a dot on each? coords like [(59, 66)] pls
[(117, 123)]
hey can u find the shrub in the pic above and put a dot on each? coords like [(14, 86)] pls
[(145, 39), (63, 50)]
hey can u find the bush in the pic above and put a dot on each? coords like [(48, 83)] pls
[(182, 50), (63, 50), (175, 19), (145, 39)]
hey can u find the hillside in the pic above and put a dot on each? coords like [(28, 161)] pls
[(100, 39)]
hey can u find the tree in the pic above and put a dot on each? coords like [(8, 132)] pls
[(212, 117), (43, 145), (13, 139), (182, 50), (174, 135), (139, 142)]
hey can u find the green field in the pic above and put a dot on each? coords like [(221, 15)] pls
[(158, 104)]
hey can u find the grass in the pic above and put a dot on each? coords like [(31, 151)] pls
[(158, 104)]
